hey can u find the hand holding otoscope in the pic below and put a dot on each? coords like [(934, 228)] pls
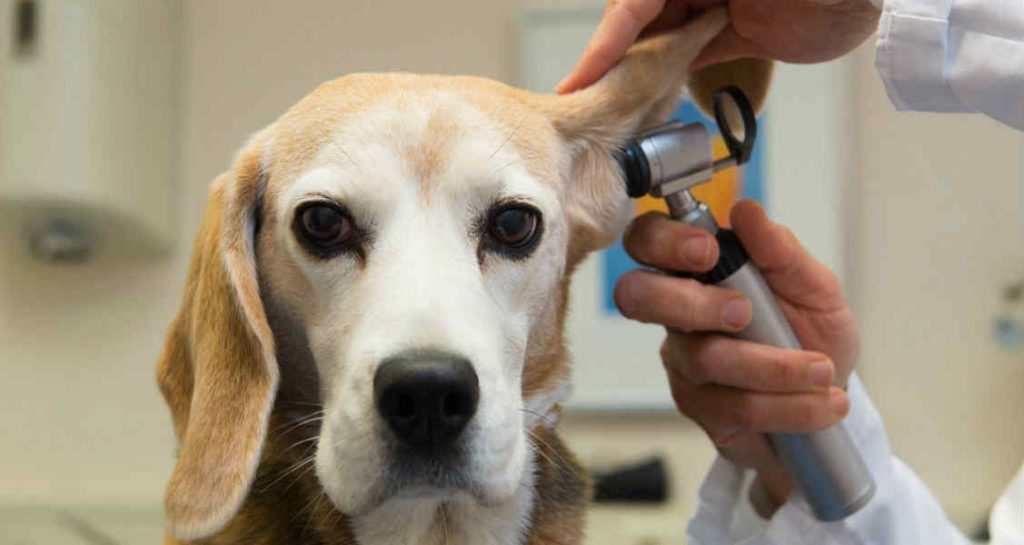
[(667, 162)]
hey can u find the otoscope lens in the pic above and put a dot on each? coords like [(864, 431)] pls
[(635, 169)]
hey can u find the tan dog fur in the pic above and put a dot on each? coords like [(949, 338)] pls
[(219, 371)]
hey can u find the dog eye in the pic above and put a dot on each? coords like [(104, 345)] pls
[(326, 225), (513, 226), (513, 230), (324, 228)]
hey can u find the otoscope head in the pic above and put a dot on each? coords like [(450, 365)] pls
[(675, 157)]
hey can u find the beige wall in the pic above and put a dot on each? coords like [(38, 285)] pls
[(80, 417), (936, 236)]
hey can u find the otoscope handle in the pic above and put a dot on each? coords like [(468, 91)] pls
[(667, 162), (825, 466)]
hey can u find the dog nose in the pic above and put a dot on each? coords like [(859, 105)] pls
[(427, 398)]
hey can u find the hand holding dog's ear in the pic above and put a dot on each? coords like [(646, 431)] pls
[(801, 31)]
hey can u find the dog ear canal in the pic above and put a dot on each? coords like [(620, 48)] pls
[(218, 372)]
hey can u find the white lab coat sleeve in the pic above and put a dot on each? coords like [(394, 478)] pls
[(1006, 525), (954, 56), (902, 511)]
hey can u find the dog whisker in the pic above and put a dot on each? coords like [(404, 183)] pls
[(538, 451), (309, 466), (302, 463), (302, 442), (538, 439), (560, 459), (314, 510), (300, 404), (291, 425), (315, 414), (307, 507), (297, 424)]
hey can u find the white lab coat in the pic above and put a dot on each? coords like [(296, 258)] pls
[(954, 56), (934, 55), (903, 511)]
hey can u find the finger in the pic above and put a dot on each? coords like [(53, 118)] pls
[(789, 268), (619, 27), (703, 359), (676, 13), (680, 303), (672, 15), (727, 46), (726, 410), (747, 449), (655, 240)]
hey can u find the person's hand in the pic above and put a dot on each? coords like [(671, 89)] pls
[(738, 390), (802, 31)]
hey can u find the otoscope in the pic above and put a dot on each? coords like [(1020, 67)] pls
[(668, 161)]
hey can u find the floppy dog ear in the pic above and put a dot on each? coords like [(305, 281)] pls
[(218, 372), (641, 91)]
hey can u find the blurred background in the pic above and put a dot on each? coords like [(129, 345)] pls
[(115, 115)]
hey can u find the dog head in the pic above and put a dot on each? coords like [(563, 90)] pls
[(397, 247)]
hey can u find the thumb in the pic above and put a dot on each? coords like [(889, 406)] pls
[(619, 28), (727, 46)]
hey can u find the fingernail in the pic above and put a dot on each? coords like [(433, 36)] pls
[(840, 403), (560, 88), (697, 250), (737, 313), (821, 373)]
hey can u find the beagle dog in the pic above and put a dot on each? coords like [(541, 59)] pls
[(370, 348)]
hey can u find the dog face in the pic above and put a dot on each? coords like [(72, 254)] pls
[(406, 241), (418, 249)]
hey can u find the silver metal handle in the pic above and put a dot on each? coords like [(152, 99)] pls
[(825, 466)]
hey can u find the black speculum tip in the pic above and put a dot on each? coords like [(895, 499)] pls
[(635, 169)]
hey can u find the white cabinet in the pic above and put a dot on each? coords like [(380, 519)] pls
[(87, 102)]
